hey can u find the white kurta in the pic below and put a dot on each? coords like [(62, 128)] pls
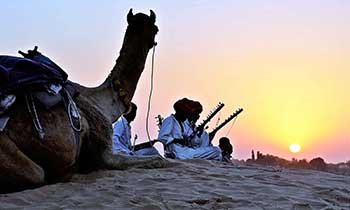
[(172, 129), (198, 141), (122, 140), (122, 136), (204, 140)]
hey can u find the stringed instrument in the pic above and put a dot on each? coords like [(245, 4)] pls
[(148, 144), (200, 128), (232, 116)]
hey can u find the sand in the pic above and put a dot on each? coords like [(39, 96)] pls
[(194, 184)]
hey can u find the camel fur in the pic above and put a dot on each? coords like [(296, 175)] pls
[(27, 162)]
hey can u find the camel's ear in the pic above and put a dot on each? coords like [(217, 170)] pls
[(152, 17), (130, 15)]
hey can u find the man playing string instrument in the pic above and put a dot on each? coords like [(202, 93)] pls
[(203, 139), (176, 131)]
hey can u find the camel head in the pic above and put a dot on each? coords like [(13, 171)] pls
[(141, 27), (138, 40)]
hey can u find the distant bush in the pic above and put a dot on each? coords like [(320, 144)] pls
[(315, 164), (318, 164)]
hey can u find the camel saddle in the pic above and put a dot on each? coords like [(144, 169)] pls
[(41, 82)]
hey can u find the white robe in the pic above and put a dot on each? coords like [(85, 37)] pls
[(198, 141), (171, 129), (122, 140)]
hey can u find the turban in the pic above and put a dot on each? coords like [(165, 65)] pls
[(132, 107), (183, 106), (196, 108)]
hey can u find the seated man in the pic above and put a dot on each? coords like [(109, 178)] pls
[(175, 132), (122, 135), (202, 139)]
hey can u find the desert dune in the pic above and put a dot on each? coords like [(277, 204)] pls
[(192, 184)]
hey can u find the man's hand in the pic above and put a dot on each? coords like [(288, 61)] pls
[(211, 136)]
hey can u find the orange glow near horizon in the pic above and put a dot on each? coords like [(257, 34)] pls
[(287, 97)]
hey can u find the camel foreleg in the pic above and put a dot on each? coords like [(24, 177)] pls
[(17, 171)]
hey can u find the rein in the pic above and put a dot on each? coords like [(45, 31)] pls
[(150, 93)]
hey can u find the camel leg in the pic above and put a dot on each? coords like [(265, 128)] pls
[(97, 146), (17, 171), (121, 161)]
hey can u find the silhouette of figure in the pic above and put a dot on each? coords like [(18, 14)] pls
[(253, 155)]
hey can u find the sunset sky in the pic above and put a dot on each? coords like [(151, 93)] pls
[(285, 62)]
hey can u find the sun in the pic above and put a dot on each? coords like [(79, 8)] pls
[(295, 148)]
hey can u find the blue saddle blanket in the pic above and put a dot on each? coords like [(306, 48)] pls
[(18, 73)]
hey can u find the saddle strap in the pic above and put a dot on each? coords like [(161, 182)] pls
[(74, 117), (73, 112), (32, 111)]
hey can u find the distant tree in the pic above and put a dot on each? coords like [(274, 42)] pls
[(318, 164), (303, 164), (258, 155)]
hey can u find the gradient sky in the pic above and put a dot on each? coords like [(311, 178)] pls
[(285, 62)]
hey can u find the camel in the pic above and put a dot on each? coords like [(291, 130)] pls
[(26, 161)]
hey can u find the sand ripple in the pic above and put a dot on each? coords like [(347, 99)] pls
[(195, 184)]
